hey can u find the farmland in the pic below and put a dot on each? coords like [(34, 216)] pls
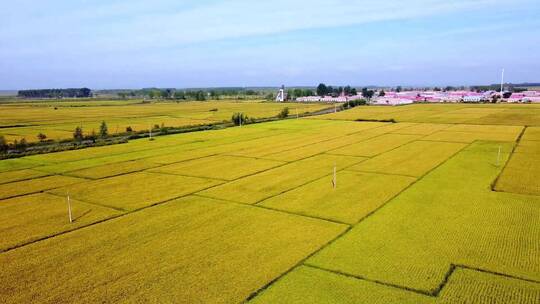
[(58, 120), (442, 206)]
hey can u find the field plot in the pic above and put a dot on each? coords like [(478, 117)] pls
[(355, 196), (19, 175), (31, 217), (219, 167), (499, 114), (136, 190), (251, 214), (192, 250), (113, 169), (522, 173), (448, 217), (375, 146), (413, 159), (255, 188), (36, 185), (58, 120)]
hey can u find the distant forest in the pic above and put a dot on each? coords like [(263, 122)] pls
[(56, 93)]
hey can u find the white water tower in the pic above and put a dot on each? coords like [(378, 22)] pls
[(281, 94)]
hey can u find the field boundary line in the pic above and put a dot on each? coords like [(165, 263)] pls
[(335, 138), (299, 263), (511, 155), (273, 210), (127, 212)]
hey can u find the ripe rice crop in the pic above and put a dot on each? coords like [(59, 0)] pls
[(113, 169), (422, 129), (448, 217), (469, 286), (375, 145), (531, 133), (219, 167), (254, 188), (14, 176), (28, 218), (36, 185), (355, 196), (413, 159), (310, 285), (189, 250), (135, 190), (469, 137)]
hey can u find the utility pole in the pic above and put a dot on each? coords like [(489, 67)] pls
[(69, 208), (502, 83)]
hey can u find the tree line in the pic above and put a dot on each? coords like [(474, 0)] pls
[(324, 90), (56, 93)]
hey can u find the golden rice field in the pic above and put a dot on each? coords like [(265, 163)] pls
[(443, 207), (58, 120)]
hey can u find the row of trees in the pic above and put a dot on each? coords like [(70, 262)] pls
[(199, 95), (56, 93), (324, 90)]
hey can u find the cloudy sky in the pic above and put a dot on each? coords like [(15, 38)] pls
[(208, 43)]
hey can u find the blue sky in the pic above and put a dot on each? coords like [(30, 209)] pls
[(208, 43)]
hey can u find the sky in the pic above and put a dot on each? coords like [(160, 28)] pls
[(107, 44)]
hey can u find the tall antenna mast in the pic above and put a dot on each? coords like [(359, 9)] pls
[(502, 82)]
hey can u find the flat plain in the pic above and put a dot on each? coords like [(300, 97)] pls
[(58, 120), (442, 206)]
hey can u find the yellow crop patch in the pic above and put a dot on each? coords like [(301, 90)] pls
[(219, 167), (450, 216), (113, 169), (32, 217), (189, 250), (521, 175), (308, 285), (36, 185), (355, 196), (14, 176), (375, 145), (469, 137), (413, 159), (422, 129), (136, 190), (254, 188)]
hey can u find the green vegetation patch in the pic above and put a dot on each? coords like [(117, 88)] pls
[(36, 185), (192, 250), (136, 190), (32, 217), (355, 196), (254, 188), (413, 159)]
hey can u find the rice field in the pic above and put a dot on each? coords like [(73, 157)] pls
[(440, 208), (58, 120)]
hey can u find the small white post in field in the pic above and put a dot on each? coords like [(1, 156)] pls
[(335, 107), (499, 156), (69, 208), (296, 113), (240, 116), (150, 132), (334, 181)]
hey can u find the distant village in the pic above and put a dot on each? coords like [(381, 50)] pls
[(399, 97)]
